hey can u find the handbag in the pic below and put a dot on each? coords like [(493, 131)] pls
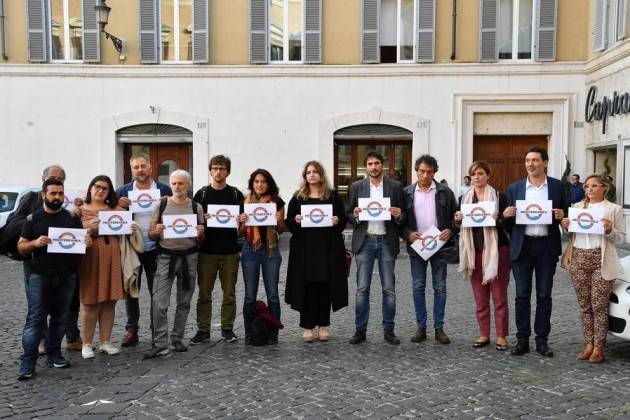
[(348, 260), (449, 254)]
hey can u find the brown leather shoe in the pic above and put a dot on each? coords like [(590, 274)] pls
[(586, 353), (597, 356)]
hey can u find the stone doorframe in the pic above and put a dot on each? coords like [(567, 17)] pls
[(419, 128), (112, 151), (562, 106)]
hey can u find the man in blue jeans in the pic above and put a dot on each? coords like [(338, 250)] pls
[(52, 279), (428, 203), (373, 240)]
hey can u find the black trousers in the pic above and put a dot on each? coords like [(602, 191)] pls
[(316, 310)]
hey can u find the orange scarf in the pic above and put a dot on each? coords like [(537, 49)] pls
[(253, 232)]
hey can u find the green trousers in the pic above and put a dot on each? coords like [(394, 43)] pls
[(226, 266)]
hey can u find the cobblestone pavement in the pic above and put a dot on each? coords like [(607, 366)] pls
[(333, 379)]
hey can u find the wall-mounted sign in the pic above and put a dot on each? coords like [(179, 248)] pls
[(606, 107)]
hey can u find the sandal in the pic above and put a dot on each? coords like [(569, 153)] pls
[(501, 347), (480, 344)]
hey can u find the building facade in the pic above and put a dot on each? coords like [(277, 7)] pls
[(275, 83)]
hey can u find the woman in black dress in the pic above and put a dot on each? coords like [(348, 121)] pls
[(316, 275)]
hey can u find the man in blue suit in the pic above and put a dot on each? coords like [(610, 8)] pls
[(534, 248)]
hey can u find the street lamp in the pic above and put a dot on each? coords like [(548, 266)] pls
[(102, 16)]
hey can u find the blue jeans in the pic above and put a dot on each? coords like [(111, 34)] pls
[(252, 261), (419, 284), (46, 296), (536, 256), (370, 250)]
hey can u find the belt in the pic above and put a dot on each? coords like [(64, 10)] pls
[(375, 237), (536, 238)]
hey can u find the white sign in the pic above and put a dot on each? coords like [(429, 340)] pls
[(68, 201), (114, 222), (479, 214), (533, 212), (222, 216), (180, 226), (586, 220), (317, 215), (428, 244), (261, 214), (374, 209), (143, 201), (66, 241)]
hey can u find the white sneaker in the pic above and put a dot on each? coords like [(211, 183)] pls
[(87, 352), (108, 348)]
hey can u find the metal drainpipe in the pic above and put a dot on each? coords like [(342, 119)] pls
[(454, 34), (2, 43)]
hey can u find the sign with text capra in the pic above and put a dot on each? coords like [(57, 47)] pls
[(374, 209), (114, 222), (143, 201), (222, 216), (586, 220), (428, 244), (533, 212), (314, 215), (479, 214), (66, 241), (180, 226), (261, 214)]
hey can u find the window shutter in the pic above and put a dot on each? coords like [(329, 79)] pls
[(200, 31), (91, 33), (149, 33), (313, 31), (369, 31), (425, 48), (545, 30), (488, 50), (599, 25), (258, 32), (622, 19), (37, 31)]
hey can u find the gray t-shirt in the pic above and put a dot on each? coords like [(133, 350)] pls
[(175, 209)]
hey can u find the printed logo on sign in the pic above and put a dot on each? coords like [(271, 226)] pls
[(115, 222), (429, 243), (144, 200), (67, 240), (66, 202), (260, 214), (223, 216), (374, 209), (316, 215), (533, 212), (585, 221), (180, 226), (478, 214)]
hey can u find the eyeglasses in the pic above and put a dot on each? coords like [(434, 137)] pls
[(100, 188), (218, 169), (592, 186)]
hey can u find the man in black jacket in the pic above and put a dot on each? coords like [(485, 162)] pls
[(428, 203)]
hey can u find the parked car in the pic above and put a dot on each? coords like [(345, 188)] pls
[(10, 198), (619, 311)]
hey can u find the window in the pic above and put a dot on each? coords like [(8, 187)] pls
[(286, 30), (396, 31), (66, 30), (514, 29), (176, 23)]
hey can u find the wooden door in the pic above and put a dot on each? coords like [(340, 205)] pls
[(506, 156), (165, 158)]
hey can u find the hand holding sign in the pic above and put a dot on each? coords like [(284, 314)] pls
[(586, 220), (429, 243), (67, 241), (180, 226), (374, 209), (316, 215), (261, 214), (114, 222), (143, 201), (222, 216), (533, 212), (478, 214)]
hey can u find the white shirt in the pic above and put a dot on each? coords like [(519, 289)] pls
[(588, 240), (376, 227), (533, 192), (144, 220), (464, 189)]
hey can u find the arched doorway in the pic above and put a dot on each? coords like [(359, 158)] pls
[(168, 146), (352, 143)]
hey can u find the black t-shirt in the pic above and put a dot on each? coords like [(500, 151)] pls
[(219, 241), (42, 262)]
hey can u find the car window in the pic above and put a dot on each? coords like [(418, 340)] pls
[(7, 201)]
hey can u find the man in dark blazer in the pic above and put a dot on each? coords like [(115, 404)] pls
[(428, 203), (375, 240), (534, 248)]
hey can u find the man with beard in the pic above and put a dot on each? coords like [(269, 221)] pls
[(373, 240), (51, 281), (141, 171)]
